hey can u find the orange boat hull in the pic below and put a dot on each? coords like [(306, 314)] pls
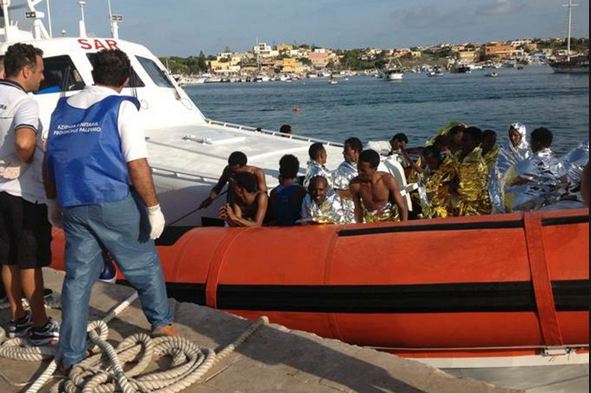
[(480, 286)]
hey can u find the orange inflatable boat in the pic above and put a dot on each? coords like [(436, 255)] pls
[(504, 285)]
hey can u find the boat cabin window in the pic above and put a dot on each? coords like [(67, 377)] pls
[(60, 75), (156, 73), (134, 78)]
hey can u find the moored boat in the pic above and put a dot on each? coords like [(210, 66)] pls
[(506, 289), (578, 64)]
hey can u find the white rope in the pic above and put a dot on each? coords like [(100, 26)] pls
[(104, 372)]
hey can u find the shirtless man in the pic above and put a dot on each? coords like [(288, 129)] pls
[(236, 164), (249, 206), (375, 192)]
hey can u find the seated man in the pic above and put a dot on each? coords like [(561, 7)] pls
[(376, 194), (286, 199), (472, 193), (316, 167), (236, 164), (515, 149), (249, 206), (439, 183), (490, 149), (539, 180), (319, 206), (346, 171)]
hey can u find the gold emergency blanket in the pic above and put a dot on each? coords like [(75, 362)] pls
[(490, 158), (472, 193), (438, 189), (388, 213)]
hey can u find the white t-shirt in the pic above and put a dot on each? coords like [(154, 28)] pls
[(19, 110), (131, 132)]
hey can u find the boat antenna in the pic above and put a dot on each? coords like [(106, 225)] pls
[(114, 19), (49, 18), (6, 18), (82, 23), (570, 6)]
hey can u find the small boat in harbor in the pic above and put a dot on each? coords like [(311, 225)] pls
[(433, 290), (492, 74)]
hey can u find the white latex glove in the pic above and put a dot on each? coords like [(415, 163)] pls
[(156, 219), (54, 214)]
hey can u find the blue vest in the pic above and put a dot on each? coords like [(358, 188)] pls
[(285, 208), (84, 156)]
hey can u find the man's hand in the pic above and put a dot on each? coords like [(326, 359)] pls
[(157, 222), (54, 214)]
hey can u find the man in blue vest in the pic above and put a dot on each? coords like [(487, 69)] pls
[(95, 149)]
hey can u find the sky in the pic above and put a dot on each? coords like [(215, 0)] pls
[(185, 27)]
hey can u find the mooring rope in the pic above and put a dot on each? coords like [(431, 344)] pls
[(104, 371)]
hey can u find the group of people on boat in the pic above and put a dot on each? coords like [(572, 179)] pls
[(461, 171)]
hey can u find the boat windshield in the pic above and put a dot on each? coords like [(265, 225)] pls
[(134, 78), (156, 73), (60, 75)]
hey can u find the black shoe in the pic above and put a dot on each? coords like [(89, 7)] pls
[(20, 327), (47, 334)]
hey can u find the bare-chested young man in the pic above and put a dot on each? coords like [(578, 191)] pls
[(376, 194), (236, 164), (249, 207)]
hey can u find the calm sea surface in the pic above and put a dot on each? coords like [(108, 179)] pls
[(374, 109)]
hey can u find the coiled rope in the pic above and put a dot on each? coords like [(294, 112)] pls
[(104, 372)]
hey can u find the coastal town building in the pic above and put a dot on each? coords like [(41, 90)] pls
[(321, 57), (495, 50), (264, 50)]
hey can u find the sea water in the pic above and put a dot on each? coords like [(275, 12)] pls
[(375, 109)]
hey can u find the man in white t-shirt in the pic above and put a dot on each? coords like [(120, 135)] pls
[(25, 233), (95, 149)]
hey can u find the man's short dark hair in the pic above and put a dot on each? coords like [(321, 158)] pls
[(237, 158), (475, 133), (457, 128), (432, 151), (289, 165), (441, 141), (110, 67), (18, 56), (370, 156), (354, 143), (489, 133), (246, 180), (542, 136), (316, 179), (401, 137), (315, 149), (285, 129)]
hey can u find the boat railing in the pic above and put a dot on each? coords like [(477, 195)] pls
[(183, 175), (270, 132)]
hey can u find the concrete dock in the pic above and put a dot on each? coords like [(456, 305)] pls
[(274, 359)]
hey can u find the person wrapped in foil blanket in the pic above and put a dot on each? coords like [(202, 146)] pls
[(515, 149), (538, 181), (341, 178), (320, 206), (472, 193)]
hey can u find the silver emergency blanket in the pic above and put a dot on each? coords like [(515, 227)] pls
[(329, 212), (508, 157), (341, 178), (536, 182), (315, 169), (573, 163)]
